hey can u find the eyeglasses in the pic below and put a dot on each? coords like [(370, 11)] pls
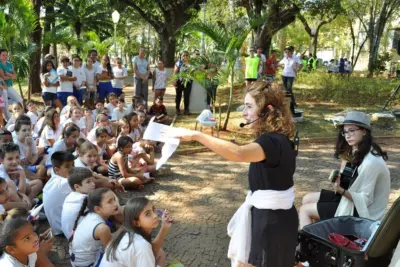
[(185, 55), (350, 132)]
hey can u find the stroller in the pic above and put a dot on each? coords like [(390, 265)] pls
[(318, 251)]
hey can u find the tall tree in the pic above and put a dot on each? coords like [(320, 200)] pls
[(166, 17), (49, 22), (315, 14), (84, 15), (34, 59), (378, 13), (278, 13)]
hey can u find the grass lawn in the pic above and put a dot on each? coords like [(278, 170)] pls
[(316, 100)]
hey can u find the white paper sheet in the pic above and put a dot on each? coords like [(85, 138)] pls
[(153, 133)]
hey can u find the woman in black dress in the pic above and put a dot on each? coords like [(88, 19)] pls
[(272, 158)]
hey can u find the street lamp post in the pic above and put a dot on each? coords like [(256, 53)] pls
[(203, 48), (115, 19)]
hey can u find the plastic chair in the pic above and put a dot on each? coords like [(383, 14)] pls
[(205, 119)]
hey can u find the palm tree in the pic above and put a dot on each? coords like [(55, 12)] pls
[(228, 39), (16, 26), (84, 15)]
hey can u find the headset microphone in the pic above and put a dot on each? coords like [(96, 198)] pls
[(247, 123)]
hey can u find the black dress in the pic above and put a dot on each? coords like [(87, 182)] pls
[(273, 232)]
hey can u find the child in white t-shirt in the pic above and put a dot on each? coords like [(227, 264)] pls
[(80, 84), (119, 111), (159, 80), (76, 117), (57, 189), (50, 131), (120, 74), (132, 246), (112, 103), (81, 182), (32, 113), (66, 81)]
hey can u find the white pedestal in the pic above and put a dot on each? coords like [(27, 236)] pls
[(198, 98)]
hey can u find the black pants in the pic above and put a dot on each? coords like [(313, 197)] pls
[(211, 94), (181, 88)]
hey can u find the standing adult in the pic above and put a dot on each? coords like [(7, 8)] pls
[(7, 73), (183, 85), (271, 66), (141, 72), (252, 66), (263, 60), (264, 229), (292, 65)]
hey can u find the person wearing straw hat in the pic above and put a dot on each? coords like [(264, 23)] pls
[(364, 193)]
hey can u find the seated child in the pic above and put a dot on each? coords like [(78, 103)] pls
[(103, 122), (112, 103), (132, 245), (101, 144), (119, 170), (76, 117), (32, 113), (57, 189), (92, 234), (21, 246), (71, 102), (142, 121), (4, 195), (11, 170), (27, 147), (160, 111), (143, 156), (134, 122), (5, 137), (88, 118), (17, 110), (88, 158), (119, 111), (50, 131), (81, 182), (124, 127)]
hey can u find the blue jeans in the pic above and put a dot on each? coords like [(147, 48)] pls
[(288, 84), (62, 96), (79, 95)]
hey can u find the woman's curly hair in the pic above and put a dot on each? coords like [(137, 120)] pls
[(279, 120)]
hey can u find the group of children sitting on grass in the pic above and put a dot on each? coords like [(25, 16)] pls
[(79, 158)]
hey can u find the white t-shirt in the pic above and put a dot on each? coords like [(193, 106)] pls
[(54, 193), (7, 260), (65, 86), (59, 145), (96, 65), (110, 107), (117, 114), (5, 176), (79, 73), (290, 65), (134, 134), (72, 205), (23, 148), (49, 133), (37, 127), (262, 63), (100, 71), (161, 78), (85, 248), (90, 75), (32, 116), (138, 254), (119, 83), (80, 123), (49, 89)]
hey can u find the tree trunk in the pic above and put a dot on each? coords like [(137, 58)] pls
[(265, 42), (34, 59), (314, 44), (228, 110), (48, 21), (167, 43)]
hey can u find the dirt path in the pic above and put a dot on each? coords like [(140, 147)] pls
[(203, 191)]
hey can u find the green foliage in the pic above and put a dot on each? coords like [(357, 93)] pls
[(380, 64), (84, 15), (318, 86)]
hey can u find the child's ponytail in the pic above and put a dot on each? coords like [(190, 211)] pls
[(80, 214), (90, 202)]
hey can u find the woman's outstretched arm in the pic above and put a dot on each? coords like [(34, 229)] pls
[(246, 153)]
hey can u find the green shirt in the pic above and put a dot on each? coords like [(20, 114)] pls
[(252, 64), (398, 66), (7, 68)]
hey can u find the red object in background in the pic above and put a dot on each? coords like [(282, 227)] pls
[(343, 241)]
